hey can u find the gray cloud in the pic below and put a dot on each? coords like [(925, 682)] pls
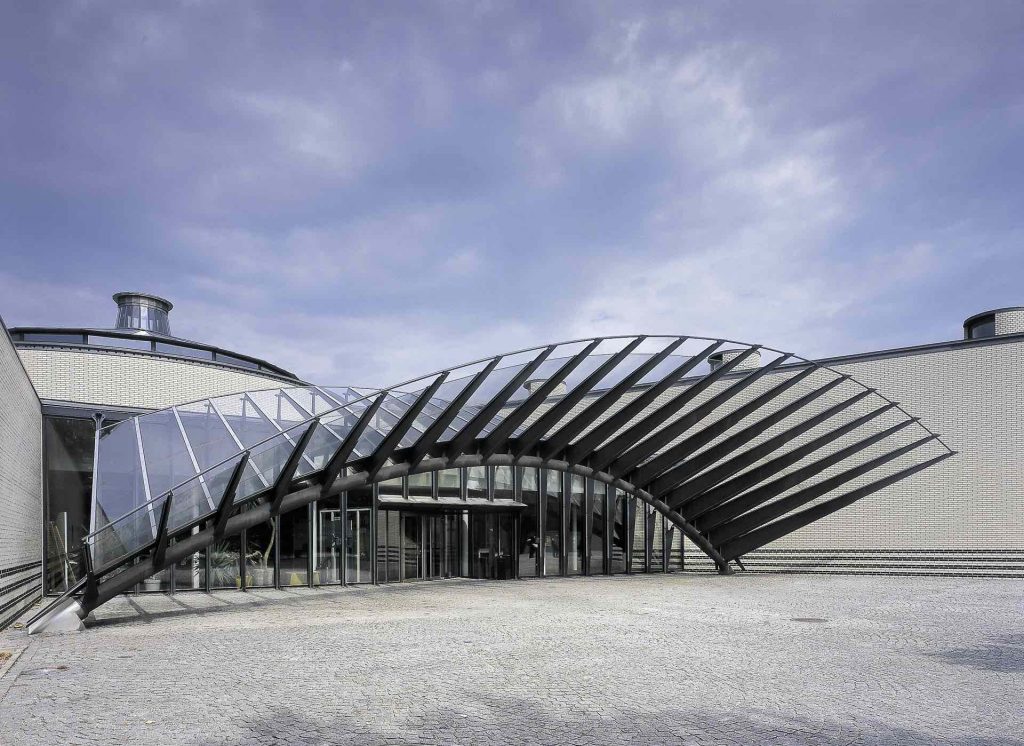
[(366, 191)]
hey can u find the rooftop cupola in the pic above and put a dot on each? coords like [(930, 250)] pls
[(143, 312)]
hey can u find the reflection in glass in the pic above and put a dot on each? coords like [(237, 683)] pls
[(529, 544), (476, 482), (259, 555), (597, 528), (577, 525), (328, 550), (620, 532), (358, 540), (69, 453), (294, 529), (190, 571), (421, 485), (449, 483), (553, 523), (656, 540), (638, 520), (390, 488), (503, 487), (674, 544), (410, 546)]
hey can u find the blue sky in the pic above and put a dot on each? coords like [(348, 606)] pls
[(362, 192)]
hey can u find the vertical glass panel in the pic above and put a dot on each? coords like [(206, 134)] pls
[(481, 528), (576, 526), (620, 531), (359, 541), (449, 483), (503, 486), (294, 530), (421, 485), (553, 523), (452, 523), (390, 488), (328, 547), (410, 546), (224, 564), (529, 525), (382, 545), (476, 482), (119, 486), (69, 454), (674, 546), (656, 540), (157, 583), (394, 544), (259, 555), (190, 572), (597, 528), (638, 520), (504, 550)]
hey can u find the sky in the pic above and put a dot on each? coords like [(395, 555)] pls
[(362, 192)]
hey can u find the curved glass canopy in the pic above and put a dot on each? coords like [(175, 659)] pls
[(735, 443)]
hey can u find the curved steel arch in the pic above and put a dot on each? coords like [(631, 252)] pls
[(729, 441)]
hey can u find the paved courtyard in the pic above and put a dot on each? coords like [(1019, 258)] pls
[(654, 659)]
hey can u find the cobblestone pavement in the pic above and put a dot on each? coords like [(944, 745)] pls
[(652, 659)]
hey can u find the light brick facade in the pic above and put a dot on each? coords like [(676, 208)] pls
[(131, 379), (21, 500)]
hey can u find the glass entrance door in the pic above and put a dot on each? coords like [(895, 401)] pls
[(358, 566)]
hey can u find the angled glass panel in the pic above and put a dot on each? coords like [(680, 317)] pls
[(167, 460), (119, 479), (210, 440)]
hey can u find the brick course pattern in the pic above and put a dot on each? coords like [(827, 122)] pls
[(20, 485), (128, 379)]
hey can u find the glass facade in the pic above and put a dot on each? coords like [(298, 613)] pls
[(553, 529), (576, 526), (529, 523), (554, 524), (68, 445)]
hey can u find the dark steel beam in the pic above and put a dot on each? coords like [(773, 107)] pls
[(684, 470), (533, 434), (560, 440), (646, 473), (227, 500), (422, 448), (460, 443), (498, 437), (778, 508), (690, 493), (606, 454), (759, 538), (749, 500), (341, 455), (387, 446), (582, 448), (626, 461), (282, 485), (162, 537), (91, 592)]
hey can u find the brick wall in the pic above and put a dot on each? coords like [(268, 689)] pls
[(20, 486), (130, 379)]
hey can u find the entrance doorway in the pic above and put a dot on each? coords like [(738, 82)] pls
[(359, 540)]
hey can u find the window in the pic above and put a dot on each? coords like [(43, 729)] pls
[(476, 482), (553, 523), (529, 543), (980, 327)]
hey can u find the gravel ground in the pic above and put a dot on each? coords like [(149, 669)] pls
[(773, 659)]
